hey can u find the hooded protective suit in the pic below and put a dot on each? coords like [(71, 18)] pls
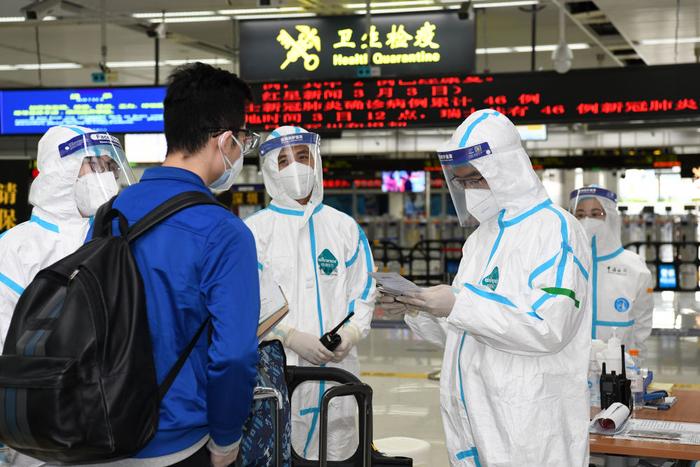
[(622, 286), (321, 259), (513, 388), (56, 228)]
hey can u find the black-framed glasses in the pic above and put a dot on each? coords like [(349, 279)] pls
[(246, 138)]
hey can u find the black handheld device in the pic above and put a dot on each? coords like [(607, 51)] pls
[(331, 339), (615, 388)]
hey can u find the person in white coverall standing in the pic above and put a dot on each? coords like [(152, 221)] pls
[(77, 174), (79, 170), (622, 286), (515, 324), (322, 260)]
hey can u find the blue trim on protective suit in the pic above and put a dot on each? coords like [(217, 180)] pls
[(308, 411), (599, 259), (578, 263), (472, 125), (14, 286), (368, 263), (459, 371), (44, 224), (594, 254), (612, 255), (526, 214), (357, 250), (564, 237), (467, 454), (542, 268), (319, 309), (490, 295), (540, 301), (501, 230), (286, 212), (291, 212)]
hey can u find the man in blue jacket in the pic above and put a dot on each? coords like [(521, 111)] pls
[(200, 263)]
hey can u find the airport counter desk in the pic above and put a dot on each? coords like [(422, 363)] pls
[(686, 409)]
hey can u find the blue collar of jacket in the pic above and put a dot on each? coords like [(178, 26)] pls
[(173, 173)]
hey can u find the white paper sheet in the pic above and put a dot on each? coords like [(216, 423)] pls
[(393, 283)]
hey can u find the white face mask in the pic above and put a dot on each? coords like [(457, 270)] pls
[(231, 171), (297, 180), (92, 190), (593, 227), (481, 204)]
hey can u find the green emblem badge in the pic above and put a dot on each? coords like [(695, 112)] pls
[(327, 263), (491, 281)]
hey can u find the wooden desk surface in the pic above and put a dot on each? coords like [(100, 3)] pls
[(686, 409)]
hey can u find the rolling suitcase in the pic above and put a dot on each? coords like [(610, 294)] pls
[(349, 385)]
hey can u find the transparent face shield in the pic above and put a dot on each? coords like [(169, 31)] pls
[(104, 169), (461, 175), (592, 203), (296, 160)]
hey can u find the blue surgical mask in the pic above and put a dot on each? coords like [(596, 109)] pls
[(231, 172)]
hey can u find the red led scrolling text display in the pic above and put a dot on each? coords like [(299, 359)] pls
[(444, 101)]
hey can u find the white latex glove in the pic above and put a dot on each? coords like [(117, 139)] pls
[(438, 300), (349, 336), (394, 308), (308, 347)]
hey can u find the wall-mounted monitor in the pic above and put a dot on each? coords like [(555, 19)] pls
[(400, 181)]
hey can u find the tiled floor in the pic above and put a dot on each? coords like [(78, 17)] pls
[(406, 403)]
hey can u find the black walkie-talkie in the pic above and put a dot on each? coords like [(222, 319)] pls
[(615, 388), (331, 339)]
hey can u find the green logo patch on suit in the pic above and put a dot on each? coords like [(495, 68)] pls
[(491, 281), (327, 263)]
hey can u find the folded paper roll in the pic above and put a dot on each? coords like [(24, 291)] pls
[(611, 420)]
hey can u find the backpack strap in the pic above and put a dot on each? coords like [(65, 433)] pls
[(157, 215), (102, 225), (172, 374), (167, 209)]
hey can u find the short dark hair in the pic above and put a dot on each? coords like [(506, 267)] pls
[(200, 98)]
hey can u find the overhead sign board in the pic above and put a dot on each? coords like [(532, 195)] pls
[(119, 110), (596, 95), (340, 46)]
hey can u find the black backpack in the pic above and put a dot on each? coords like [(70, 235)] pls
[(77, 375)]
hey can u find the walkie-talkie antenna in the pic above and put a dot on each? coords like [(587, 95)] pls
[(622, 350)]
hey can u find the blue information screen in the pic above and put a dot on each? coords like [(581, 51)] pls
[(118, 110), (667, 276)]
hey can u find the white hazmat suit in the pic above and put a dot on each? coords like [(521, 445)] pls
[(55, 229), (64, 195), (513, 388), (321, 259), (622, 286)]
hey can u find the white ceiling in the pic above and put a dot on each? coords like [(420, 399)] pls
[(126, 39)]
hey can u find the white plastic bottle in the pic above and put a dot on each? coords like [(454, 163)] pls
[(594, 381), (637, 390), (612, 355)]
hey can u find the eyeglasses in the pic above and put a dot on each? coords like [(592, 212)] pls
[(467, 183), (247, 139), (593, 214)]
